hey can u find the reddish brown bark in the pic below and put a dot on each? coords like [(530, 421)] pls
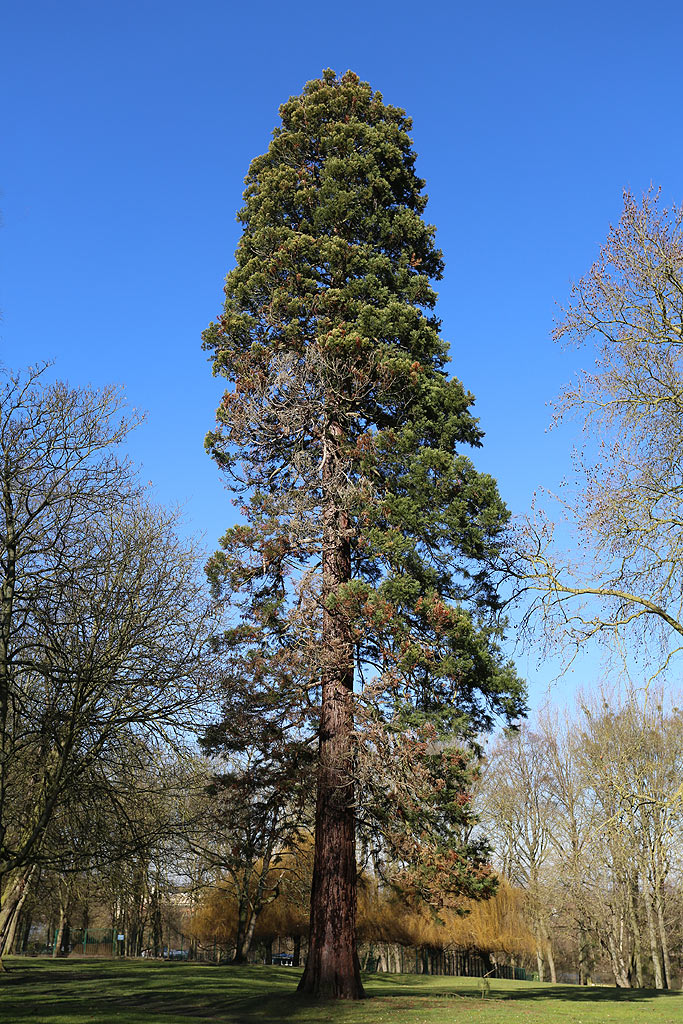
[(332, 969)]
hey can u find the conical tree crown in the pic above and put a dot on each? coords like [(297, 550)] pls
[(334, 249), (335, 256)]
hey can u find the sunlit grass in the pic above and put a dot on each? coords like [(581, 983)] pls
[(100, 992)]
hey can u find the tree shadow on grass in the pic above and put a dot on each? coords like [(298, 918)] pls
[(150, 993), (196, 994)]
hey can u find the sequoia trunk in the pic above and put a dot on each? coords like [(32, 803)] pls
[(332, 969)]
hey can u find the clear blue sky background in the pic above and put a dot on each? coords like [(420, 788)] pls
[(129, 126)]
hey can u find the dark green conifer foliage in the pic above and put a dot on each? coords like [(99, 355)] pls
[(364, 573)]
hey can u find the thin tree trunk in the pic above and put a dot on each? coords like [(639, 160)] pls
[(332, 969), (60, 932), (66, 937), (666, 960), (539, 962), (6, 607), (661, 925), (654, 946), (12, 902), (551, 962), (635, 932), (26, 925), (248, 938), (547, 945), (12, 930), (242, 914), (156, 923), (618, 966), (584, 969), (6, 610)]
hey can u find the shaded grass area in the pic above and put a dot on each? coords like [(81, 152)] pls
[(122, 992)]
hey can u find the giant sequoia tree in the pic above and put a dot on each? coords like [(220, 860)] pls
[(362, 577)]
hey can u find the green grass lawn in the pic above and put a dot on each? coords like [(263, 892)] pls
[(120, 992)]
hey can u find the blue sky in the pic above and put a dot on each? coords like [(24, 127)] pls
[(129, 128)]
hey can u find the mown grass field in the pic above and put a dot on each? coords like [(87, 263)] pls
[(111, 992)]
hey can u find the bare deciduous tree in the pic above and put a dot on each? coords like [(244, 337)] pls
[(102, 616), (518, 813), (625, 578)]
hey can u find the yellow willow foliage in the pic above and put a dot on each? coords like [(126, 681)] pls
[(215, 919), (282, 917), (285, 910), (495, 925), (289, 912)]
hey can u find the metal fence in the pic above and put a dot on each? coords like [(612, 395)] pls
[(175, 946)]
